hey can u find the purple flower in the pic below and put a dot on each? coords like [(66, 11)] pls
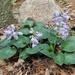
[(61, 26), (63, 33), (56, 28), (31, 30), (10, 32), (19, 33), (57, 19), (56, 14), (36, 36), (65, 17), (34, 41), (15, 35)]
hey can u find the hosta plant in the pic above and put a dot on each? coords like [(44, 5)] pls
[(33, 38)]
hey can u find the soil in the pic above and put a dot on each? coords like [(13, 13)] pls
[(42, 66)]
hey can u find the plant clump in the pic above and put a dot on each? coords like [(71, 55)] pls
[(33, 38)]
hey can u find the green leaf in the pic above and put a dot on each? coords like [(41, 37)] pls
[(68, 45), (52, 38), (7, 52), (32, 50), (69, 58), (59, 40), (21, 42), (14, 1), (47, 53), (38, 48), (25, 31), (24, 54), (5, 42), (43, 47), (59, 59), (45, 32), (53, 31), (29, 23), (40, 24)]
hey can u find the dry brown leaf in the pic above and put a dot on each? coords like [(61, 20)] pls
[(20, 62), (64, 73), (19, 73), (26, 73), (47, 72), (2, 37), (2, 62), (9, 68), (1, 73)]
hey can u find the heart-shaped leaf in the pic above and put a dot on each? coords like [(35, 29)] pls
[(32, 50), (52, 38), (69, 58), (24, 54), (29, 23), (38, 48), (68, 45), (47, 53), (40, 24), (25, 31), (7, 52), (59, 59), (21, 42), (5, 42)]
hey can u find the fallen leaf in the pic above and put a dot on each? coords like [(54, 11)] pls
[(20, 62), (19, 73), (1, 73), (26, 73), (2, 62), (47, 72), (9, 68)]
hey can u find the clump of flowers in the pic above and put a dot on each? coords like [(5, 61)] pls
[(61, 26), (36, 36), (10, 32)]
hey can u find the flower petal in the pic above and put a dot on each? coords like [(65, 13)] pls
[(13, 26), (56, 13), (38, 35), (19, 33), (15, 36), (34, 40), (34, 45)]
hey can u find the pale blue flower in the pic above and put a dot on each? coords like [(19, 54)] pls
[(55, 28), (15, 35), (31, 30), (36, 36), (19, 33), (10, 32), (56, 13), (34, 41), (63, 33), (65, 17), (57, 19), (61, 26)]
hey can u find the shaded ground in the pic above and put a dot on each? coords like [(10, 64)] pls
[(42, 66)]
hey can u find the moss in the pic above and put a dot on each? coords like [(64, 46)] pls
[(6, 16)]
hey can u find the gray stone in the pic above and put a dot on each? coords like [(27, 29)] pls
[(40, 10), (6, 16)]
